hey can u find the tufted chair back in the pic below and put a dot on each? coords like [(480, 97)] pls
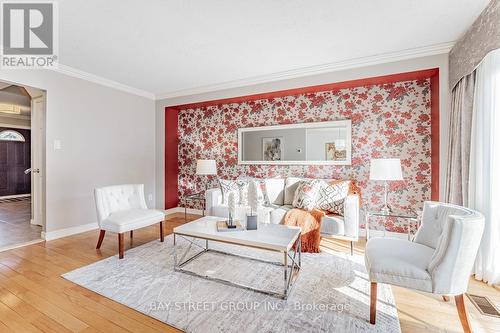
[(454, 232), (110, 199)]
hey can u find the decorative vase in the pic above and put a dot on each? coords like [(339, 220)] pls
[(251, 222)]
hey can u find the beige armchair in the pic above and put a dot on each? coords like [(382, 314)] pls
[(438, 261)]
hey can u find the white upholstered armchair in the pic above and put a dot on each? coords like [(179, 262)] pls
[(438, 261), (122, 208)]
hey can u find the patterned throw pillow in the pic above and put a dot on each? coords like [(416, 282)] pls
[(262, 196), (332, 195), (238, 186), (227, 186), (305, 194)]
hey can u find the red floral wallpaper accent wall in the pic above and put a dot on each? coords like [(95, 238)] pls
[(388, 120)]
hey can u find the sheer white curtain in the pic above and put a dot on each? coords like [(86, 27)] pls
[(484, 169)]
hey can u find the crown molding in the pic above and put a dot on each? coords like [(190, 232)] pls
[(278, 76), (316, 70), (70, 71)]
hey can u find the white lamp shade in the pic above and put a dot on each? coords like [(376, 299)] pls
[(386, 169), (206, 167)]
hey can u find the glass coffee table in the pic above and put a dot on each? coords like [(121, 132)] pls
[(271, 237)]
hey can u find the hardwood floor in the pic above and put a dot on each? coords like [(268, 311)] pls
[(34, 298), (15, 226)]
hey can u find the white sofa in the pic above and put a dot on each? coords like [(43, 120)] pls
[(280, 193)]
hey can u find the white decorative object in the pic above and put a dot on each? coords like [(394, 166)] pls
[(254, 203), (386, 169), (438, 261), (231, 203), (253, 198)]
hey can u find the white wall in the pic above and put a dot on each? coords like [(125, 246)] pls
[(436, 61), (108, 137)]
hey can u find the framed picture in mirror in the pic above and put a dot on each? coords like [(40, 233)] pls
[(272, 149), (326, 142)]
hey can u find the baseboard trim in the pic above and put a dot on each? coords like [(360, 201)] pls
[(60, 233), (52, 235), (181, 210), (172, 210)]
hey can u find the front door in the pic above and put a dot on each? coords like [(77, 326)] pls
[(15, 158)]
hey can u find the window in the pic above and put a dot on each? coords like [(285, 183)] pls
[(10, 135)]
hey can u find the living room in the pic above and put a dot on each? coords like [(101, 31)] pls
[(256, 167)]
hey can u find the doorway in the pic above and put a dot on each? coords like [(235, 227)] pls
[(22, 114)]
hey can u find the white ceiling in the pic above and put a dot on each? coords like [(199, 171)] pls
[(169, 47)]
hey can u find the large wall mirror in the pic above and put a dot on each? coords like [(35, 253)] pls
[(327, 142)]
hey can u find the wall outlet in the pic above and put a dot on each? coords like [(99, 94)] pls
[(150, 197)]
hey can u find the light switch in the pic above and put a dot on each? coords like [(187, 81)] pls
[(150, 197), (57, 145)]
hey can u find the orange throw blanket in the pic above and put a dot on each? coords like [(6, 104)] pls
[(309, 223)]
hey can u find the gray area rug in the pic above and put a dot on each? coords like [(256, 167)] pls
[(331, 293)]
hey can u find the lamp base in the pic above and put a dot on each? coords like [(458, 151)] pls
[(386, 209)]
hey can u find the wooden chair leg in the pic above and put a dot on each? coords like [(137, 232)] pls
[(373, 302), (162, 237), (121, 245), (101, 238), (446, 298), (462, 313)]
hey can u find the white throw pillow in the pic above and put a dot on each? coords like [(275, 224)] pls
[(305, 194), (332, 195)]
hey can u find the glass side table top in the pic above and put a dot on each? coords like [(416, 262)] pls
[(406, 214), (195, 196)]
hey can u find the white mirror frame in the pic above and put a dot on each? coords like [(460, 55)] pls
[(336, 123)]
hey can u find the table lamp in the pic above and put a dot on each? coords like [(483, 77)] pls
[(386, 169), (206, 167)]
